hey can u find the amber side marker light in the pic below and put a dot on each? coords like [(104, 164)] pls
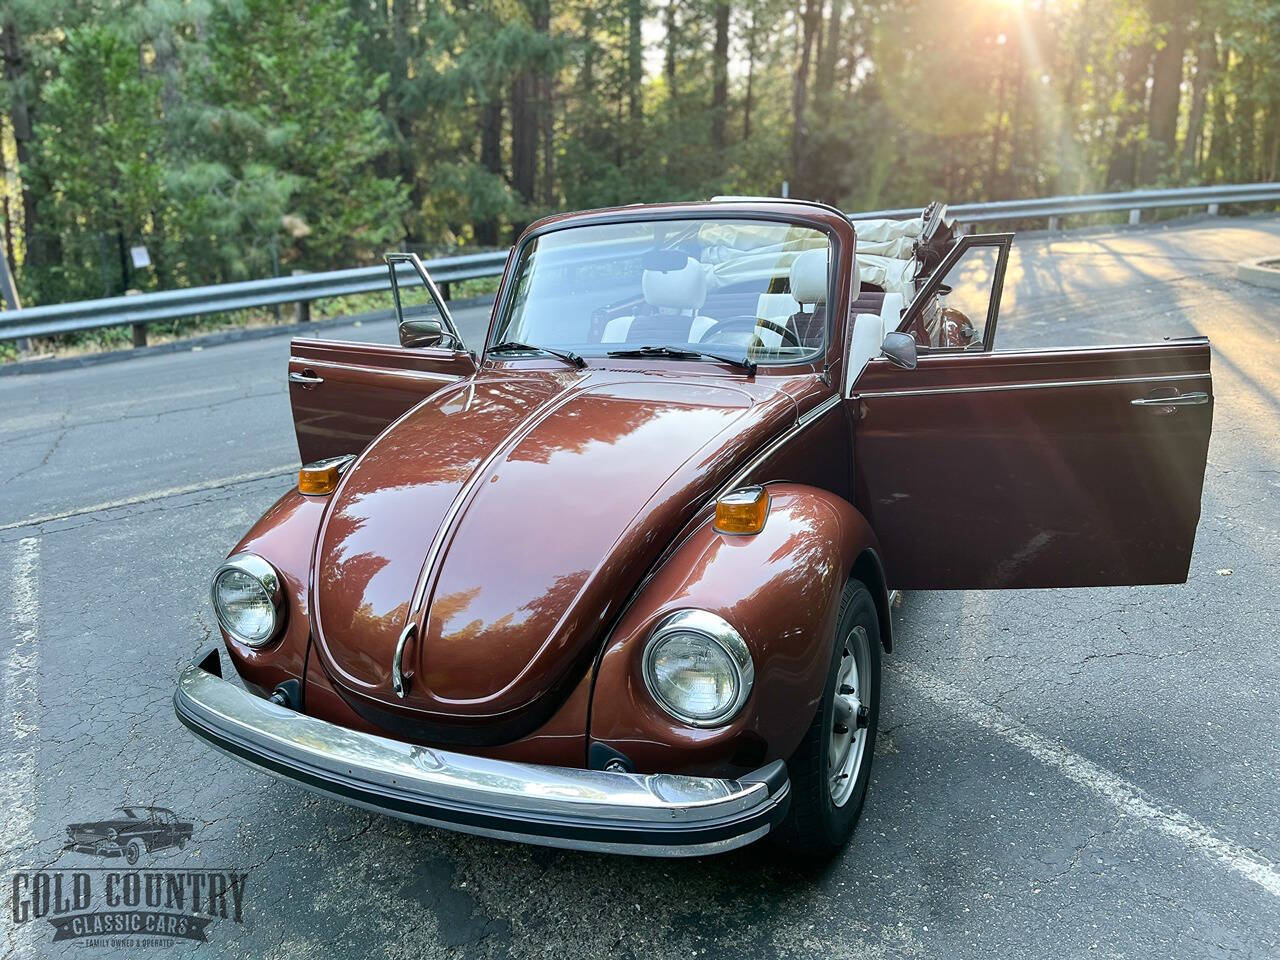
[(742, 511), (319, 478)]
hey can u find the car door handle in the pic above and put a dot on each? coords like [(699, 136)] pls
[(1178, 400), (306, 379)]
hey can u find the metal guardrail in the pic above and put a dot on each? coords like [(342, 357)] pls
[(147, 308), (1133, 201)]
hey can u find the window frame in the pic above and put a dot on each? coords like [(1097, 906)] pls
[(1004, 241)]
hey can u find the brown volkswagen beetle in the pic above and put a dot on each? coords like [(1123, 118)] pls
[(620, 580)]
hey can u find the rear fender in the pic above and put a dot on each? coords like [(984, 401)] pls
[(780, 589)]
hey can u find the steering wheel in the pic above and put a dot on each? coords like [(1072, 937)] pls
[(749, 322)]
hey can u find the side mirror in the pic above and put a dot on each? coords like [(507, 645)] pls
[(900, 348), (422, 333)]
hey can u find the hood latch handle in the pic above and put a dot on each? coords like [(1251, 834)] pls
[(399, 682)]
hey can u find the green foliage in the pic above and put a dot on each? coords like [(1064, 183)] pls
[(240, 138), (289, 133), (99, 140)]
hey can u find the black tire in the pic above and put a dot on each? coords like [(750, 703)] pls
[(133, 851), (816, 826)]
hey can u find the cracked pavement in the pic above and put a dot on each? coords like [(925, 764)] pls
[(971, 845)]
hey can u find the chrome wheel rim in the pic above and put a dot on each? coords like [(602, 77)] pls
[(847, 738)]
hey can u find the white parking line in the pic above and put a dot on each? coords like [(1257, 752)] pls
[(1130, 799), (153, 495), (21, 723)]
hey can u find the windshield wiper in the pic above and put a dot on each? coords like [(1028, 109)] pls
[(683, 353), (512, 346)]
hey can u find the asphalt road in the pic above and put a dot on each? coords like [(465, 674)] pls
[(1061, 773)]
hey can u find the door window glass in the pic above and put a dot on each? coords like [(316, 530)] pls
[(416, 301), (954, 317)]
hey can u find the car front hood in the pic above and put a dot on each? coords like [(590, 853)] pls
[(508, 518)]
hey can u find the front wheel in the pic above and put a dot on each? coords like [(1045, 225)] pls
[(831, 768), (133, 852)]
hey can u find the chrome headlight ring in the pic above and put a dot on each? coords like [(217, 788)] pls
[(264, 575), (724, 640)]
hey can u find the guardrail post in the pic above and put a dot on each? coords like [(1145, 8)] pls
[(446, 290), (139, 329), (302, 309), (1053, 224), (11, 299), (1213, 209), (1135, 217)]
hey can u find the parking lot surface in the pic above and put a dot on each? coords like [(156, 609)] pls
[(1090, 773)]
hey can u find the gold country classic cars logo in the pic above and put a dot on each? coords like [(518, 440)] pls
[(127, 905)]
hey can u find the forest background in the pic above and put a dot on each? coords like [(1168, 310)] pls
[(237, 139)]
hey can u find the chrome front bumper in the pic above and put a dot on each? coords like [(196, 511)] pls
[(661, 815)]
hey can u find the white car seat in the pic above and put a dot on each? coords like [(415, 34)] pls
[(869, 330), (677, 296)]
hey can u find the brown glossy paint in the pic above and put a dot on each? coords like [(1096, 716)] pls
[(447, 521), (285, 535), (781, 587), (1034, 469), (364, 387), (534, 520)]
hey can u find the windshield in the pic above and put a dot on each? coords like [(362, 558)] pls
[(754, 290)]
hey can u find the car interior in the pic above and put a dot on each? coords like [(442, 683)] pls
[(760, 288)]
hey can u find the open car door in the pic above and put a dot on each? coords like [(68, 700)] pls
[(1037, 468), (343, 394)]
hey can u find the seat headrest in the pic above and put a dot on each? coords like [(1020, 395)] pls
[(683, 289), (809, 277)]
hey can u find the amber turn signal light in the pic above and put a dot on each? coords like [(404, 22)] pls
[(743, 511), (317, 479)]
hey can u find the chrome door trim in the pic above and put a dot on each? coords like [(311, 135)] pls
[(1046, 385), (337, 366)]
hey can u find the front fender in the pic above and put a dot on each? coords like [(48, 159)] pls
[(284, 536), (781, 590)]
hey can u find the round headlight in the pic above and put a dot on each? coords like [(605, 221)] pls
[(698, 668), (247, 599)]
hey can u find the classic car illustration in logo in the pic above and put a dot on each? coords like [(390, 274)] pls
[(137, 830), (619, 578)]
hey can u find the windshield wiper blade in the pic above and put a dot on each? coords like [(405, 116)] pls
[(685, 353), (511, 346)]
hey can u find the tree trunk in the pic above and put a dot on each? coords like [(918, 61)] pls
[(800, 96), (751, 77), (524, 135), (491, 159), (1206, 68), (1221, 159), (635, 58), (669, 65), (720, 76), (1166, 97), (1246, 119), (1122, 169), (15, 74), (826, 71), (997, 136)]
